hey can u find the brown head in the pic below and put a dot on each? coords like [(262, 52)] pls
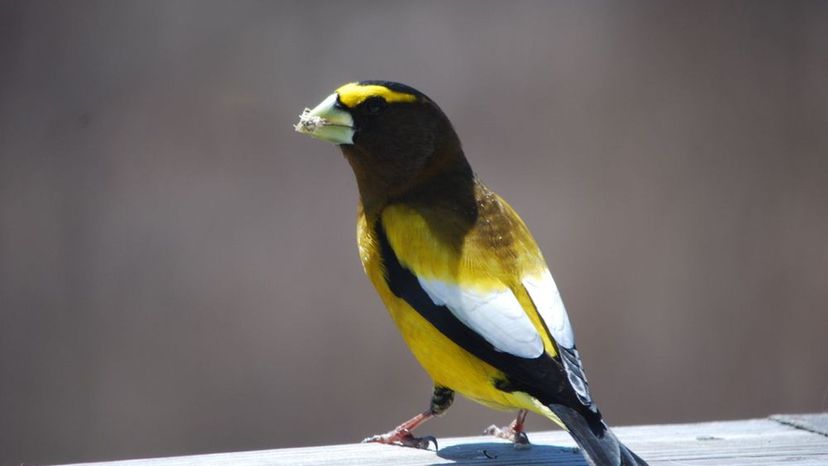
[(397, 140)]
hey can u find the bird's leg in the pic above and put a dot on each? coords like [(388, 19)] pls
[(513, 431), (441, 400), (401, 435)]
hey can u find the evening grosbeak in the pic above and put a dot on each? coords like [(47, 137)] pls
[(458, 270)]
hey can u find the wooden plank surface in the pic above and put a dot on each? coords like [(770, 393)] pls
[(816, 423), (780, 440)]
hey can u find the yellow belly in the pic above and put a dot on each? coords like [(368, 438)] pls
[(450, 365)]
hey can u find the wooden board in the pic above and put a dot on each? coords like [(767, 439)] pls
[(801, 440)]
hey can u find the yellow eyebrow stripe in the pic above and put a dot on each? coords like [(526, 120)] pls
[(353, 94)]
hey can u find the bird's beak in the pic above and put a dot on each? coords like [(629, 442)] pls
[(327, 122)]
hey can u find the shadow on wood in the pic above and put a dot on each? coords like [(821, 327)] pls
[(505, 453)]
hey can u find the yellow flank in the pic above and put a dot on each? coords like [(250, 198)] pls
[(353, 94), (494, 254)]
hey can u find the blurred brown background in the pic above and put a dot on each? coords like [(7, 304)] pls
[(178, 270)]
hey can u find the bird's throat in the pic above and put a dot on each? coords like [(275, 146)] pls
[(443, 180)]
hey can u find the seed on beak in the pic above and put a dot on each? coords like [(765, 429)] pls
[(308, 123)]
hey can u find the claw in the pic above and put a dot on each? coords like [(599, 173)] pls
[(493, 430), (403, 438), (518, 438), (430, 438), (521, 441)]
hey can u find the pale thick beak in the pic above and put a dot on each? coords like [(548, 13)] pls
[(327, 122)]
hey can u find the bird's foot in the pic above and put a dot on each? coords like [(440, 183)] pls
[(403, 438), (518, 437)]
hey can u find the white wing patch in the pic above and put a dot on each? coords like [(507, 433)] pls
[(496, 316), (544, 293)]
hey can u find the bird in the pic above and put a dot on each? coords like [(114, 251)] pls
[(458, 271)]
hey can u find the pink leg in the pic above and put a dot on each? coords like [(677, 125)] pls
[(402, 436), (513, 431)]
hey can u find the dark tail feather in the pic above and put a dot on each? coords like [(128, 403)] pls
[(598, 444)]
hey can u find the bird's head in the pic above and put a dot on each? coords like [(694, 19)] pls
[(393, 135)]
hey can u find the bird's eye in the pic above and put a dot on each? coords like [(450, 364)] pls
[(374, 105)]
